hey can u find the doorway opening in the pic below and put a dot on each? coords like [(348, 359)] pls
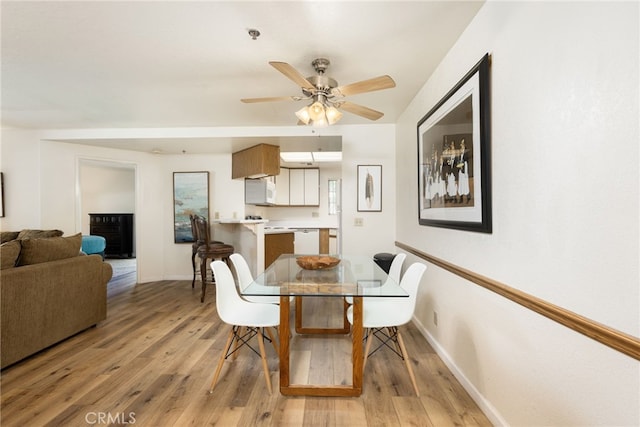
[(106, 200)]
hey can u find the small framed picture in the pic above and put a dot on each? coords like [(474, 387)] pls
[(369, 188)]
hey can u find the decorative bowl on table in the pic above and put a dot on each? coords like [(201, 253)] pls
[(317, 262)]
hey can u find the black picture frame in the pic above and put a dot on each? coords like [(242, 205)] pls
[(454, 158), (190, 196)]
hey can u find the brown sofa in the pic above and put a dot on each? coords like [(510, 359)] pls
[(49, 291)]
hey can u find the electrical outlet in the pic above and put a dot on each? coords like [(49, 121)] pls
[(315, 214), (435, 318), (358, 222)]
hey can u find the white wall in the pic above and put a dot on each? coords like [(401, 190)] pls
[(20, 164), (226, 196), (565, 134), (60, 201), (105, 189), (46, 194), (368, 145)]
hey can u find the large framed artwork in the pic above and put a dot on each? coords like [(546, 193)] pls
[(454, 156), (369, 188), (190, 196)]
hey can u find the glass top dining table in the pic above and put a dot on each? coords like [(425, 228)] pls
[(355, 276)]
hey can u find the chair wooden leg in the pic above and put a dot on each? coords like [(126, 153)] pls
[(203, 276), (227, 346), (263, 356), (407, 362), (368, 347), (193, 264), (273, 341)]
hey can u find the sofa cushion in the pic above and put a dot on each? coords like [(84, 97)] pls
[(7, 236), (35, 251), (9, 253), (38, 234)]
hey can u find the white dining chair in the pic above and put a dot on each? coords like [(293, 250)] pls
[(245, 278), (395, 271), (247, 319), (243, 272), (382, 316)]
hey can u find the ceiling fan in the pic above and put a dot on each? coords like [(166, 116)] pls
[(327, 97)]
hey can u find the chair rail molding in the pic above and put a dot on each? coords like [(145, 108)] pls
[(603, 334)]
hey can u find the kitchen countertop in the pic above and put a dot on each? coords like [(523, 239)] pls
[(239, 221), (299, 224), (278, 230)]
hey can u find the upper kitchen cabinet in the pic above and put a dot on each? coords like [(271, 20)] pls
[(298, 187), (311, 187), (282, 187), (256, 162), (304, 187)]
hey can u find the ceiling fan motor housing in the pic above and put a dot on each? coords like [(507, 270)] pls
[(320, 65), (322, 84)]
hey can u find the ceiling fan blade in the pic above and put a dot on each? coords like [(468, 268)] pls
[(292, 74), (360, 110), (376, 83), (270, 99)]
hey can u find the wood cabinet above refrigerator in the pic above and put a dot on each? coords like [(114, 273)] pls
[(256, 162)]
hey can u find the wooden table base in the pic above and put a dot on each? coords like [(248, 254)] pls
[(355, 389), (346, 327)]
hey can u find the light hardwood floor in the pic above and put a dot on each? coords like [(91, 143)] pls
[(152, 360)]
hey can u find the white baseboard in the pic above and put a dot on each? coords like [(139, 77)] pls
[(487, 408)]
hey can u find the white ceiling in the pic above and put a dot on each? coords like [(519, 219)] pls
[(142, 64)]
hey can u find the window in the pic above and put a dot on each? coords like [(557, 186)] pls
[(333, 196)]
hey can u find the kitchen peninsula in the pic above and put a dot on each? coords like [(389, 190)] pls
[(248, 238), (299, 237)]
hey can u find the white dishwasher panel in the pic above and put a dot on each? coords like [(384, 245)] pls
[(306, 241)]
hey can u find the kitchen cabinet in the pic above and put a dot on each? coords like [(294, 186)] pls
[(304, 187), (296, 187), (307, 241), (282, 187), (275, 245), (256, 162), (311, 187)]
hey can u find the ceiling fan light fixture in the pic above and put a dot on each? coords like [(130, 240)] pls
[(320, 122), (316, 111), (333, 114), (303, 115)]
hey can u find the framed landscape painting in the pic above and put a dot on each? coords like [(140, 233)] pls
[(190, 196), (454, 157)]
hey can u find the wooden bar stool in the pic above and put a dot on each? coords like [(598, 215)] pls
[(194, 247), (208, 250)]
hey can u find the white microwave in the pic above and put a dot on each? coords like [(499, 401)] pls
[(259, 192)]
